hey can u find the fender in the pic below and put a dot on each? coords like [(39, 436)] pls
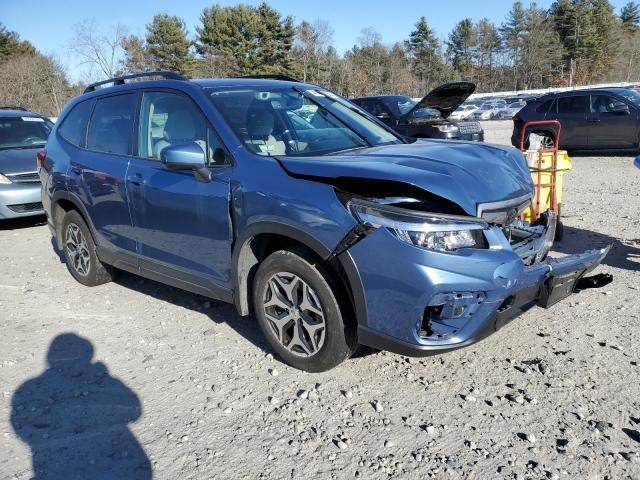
[(77, 203), (243, 260)]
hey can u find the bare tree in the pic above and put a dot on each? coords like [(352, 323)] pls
[(37, 82), (100, 52)]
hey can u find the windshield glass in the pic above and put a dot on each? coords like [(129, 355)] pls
[(632, 96), (406, 104), (290, 121), (24, 132)]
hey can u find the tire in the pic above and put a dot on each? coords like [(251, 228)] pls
[(80, 252), (300, 314)]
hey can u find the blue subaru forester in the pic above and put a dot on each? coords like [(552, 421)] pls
[(294, 204)]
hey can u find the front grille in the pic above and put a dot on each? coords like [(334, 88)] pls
[(30, 177), (504, 212), (469, 127), (26, 207)]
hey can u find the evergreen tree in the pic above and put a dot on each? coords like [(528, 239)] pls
[(167, 44), (424, 48), (258, 39), (460, 47), (630, 16), (512, 32), (11, 46)]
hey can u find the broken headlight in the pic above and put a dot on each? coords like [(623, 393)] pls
[(438, 232)]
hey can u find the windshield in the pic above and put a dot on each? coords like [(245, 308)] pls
[(632, 96), (406, 104), (24, 132), (296, 122)]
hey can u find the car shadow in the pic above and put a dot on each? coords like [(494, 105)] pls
[(23, 222), (74, 416), (624, 254), (219, 312)]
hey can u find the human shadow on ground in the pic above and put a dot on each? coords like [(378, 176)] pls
[(75, 415)]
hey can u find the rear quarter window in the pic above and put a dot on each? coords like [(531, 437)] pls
[(544, 107), (74, 126)]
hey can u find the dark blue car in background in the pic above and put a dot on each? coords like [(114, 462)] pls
[(298, 206)]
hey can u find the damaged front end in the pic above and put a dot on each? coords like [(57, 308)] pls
[(462, 277)]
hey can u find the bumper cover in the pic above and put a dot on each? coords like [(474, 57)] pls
[(20, 200), (542, 284)]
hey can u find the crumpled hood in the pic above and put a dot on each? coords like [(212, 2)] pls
[(463, 172), (18, 160)]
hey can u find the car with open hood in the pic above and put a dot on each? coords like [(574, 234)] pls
[(427, 117), (22, 133), (295, 205)]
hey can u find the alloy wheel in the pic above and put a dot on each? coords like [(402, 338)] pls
[(294, 313), (77, 250)]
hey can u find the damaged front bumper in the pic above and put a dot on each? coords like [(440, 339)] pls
[(422, 302)]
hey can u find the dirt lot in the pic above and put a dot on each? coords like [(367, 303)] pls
[(179, 387)]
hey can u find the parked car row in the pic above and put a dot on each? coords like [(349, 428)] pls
[(427, 118)]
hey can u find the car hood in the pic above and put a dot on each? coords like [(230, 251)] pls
[(18, 160), (445, 98), (465, 173)]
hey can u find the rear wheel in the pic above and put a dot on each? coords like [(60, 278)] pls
[(80, 252), (300, 314)]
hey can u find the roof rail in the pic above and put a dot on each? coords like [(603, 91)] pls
[(166, 75), (9, 107), (284, 78)]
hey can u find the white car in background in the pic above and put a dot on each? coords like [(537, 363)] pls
[(463, 112), (511, 110), (489, 110)]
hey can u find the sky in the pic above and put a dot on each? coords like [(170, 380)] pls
[(49, 24)]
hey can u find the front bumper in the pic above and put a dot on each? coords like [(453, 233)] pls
[(20, 200), (491, 287)]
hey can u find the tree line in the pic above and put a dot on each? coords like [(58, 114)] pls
[(574, 42)]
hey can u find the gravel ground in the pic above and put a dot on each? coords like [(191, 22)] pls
[(147, 380)]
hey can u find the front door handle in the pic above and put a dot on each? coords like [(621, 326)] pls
[(76, 170), (594, 120), (136, 179)]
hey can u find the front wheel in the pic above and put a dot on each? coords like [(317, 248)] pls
[(300, 314)]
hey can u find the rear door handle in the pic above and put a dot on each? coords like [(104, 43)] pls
[(594, 120)]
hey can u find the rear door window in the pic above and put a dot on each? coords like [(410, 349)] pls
[(111, 126), (572, 105), (74, 125)]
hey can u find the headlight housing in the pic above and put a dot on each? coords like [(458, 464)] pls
[(447, 128), (4, 180), (431, 231)]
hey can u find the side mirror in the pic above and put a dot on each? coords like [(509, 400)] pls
[(186, 156), (183, 156)]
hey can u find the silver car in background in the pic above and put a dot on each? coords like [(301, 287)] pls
[(22, 133), (511, 110)]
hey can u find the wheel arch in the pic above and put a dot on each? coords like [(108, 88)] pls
[(61, 203), (261, 239)]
